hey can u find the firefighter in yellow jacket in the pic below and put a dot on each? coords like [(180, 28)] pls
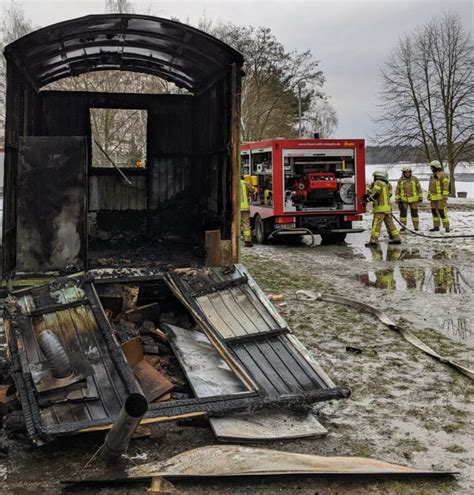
[(438, 192), (245, 189), (408, 194), (379, 194)]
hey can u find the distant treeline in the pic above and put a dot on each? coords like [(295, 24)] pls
[(394, 154)]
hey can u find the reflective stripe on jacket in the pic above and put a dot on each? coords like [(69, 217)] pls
[(379, 192), (439, 186), (244, 196), (408, 190)]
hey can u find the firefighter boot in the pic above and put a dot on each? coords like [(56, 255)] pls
[(434, 229), (371, 243), (415, 218), (394, 241), (248, 244)]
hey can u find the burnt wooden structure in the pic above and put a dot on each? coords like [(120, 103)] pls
[(190, 182), (187, 192)]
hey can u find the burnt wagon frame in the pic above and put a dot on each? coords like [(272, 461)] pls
[(190, 183)]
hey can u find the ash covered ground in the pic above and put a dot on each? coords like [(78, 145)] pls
[(405, 407)]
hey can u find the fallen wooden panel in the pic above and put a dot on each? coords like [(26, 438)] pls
[(266, 426), (230, 302), (249, 330), (69, 308), (235, 460), (209, 375)]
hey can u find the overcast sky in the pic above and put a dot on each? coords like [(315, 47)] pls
[(351, 38)]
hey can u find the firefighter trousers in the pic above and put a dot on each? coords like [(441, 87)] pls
[(413, 207), (245, 225), (379, 219), (439, 210)]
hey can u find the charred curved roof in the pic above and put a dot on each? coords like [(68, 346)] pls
[(176, 52)]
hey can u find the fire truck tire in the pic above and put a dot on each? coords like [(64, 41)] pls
[(336, 238), (261, 233)]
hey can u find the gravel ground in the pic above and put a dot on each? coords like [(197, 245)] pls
[(405, 407)]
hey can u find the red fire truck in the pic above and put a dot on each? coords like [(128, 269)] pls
[(305, 186)]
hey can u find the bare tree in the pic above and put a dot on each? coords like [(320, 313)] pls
[(320, 117), (269, 90), (427, 99), (14, 26), (119, 7)]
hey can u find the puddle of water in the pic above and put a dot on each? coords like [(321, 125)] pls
[(387, 252), (437, 280)]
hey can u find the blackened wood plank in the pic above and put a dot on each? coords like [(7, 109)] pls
[(264, 374)]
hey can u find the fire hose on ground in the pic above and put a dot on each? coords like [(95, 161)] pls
[(414, 232), (405, 333)]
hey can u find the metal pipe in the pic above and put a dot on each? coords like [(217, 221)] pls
[(117, 440), (298, 231), (125, 178)]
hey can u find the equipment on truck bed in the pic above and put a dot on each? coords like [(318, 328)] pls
[(305, 185)]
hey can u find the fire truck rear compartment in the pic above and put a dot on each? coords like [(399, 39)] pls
[(319, 183)]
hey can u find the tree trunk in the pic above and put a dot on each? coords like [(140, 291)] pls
[(452, 181)]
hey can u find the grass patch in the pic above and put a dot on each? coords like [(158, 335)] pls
[(455, 412), (456, 449), (411, 445), (453, 427)]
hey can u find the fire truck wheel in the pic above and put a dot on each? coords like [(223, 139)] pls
[(261, 234), (336, 238)]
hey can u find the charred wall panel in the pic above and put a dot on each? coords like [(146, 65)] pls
[(172, 210), (64, 114), (165, 188), (51, 205), (23, 115), (111, 192), (213, 144)]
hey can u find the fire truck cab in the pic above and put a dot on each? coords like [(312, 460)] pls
[(304, 186)]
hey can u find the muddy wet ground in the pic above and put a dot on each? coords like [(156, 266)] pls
[(405, 407)]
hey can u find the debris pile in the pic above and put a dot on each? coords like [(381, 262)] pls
[(191, 342)]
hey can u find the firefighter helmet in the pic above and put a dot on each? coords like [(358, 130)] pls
[(436, 164), (380, 174), (407, 169)]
